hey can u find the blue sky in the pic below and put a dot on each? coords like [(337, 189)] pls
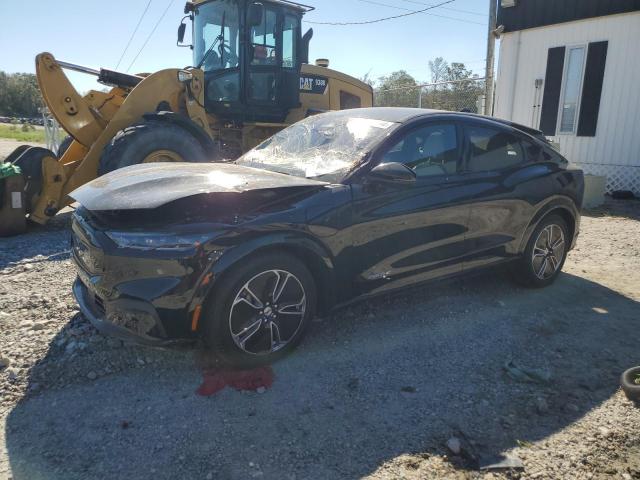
[(95, 33)]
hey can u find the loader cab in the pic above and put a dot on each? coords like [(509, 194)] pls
[(251, 54)]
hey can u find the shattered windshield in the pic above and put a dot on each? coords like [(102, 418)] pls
[(323, 146)]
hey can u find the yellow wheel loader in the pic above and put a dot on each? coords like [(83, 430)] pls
[(251, 77)]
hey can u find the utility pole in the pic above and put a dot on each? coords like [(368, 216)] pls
[(491, 47)]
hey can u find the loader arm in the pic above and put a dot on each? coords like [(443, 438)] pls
[(93, 120)]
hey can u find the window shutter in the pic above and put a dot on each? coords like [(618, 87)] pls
[(592, 89), (552, 86)]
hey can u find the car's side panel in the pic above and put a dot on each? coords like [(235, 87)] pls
[(407, 234)]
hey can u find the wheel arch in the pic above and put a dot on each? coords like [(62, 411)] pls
[(307, 250), (561, 206)]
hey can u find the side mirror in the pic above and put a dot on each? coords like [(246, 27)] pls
[(392, 172), (181, 29), (254, 15)]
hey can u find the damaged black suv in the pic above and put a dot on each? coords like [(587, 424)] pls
[(337, 207)]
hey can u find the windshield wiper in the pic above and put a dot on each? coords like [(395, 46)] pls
[(219, 38)]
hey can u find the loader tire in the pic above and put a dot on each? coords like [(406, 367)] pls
[(147, 142), (30, 163), (64, 145)]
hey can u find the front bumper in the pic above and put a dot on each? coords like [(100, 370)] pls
[(103, 316)]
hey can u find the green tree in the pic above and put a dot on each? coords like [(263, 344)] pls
[(438, 67), (398, 89), (19, 95)]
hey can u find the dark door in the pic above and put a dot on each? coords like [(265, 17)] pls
[(273, 66), (409, 233), (506, 182)]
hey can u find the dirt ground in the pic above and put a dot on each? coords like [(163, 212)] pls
[(8, 145), (424, 384)]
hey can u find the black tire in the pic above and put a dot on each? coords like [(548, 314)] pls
[(219, 318), (30, 163), (135, 143), (526, 270), (629, 385), (64, 145)]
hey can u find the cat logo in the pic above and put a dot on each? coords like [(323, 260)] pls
[(313, 84)]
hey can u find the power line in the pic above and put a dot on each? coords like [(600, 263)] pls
[(150, 35), (426, 13), (449, 8), (135, 30), (377, 20)]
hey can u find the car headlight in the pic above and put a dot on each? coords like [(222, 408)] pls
[(158, 240)]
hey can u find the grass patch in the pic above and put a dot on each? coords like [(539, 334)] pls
[(15, 132)]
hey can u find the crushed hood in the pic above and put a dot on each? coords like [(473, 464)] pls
[(151, 185)]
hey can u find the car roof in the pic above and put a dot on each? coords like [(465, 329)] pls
[(406, 114)]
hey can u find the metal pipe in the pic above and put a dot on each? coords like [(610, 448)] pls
[(78, 68), (491, 45)]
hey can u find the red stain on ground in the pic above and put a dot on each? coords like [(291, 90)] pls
[(216, 379), (216, 376)]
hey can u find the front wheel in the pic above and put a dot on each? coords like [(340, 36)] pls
[(545, 254), (261, 311)]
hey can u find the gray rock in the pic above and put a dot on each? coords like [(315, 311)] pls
[(4, 362), (541, 405), (92, 375), (454, 445)]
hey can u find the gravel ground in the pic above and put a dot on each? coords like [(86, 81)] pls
[(8, 145), (410, 386)]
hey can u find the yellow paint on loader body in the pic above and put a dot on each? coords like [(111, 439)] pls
[(93, 120)]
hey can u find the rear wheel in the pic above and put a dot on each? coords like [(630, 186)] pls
[(545, 254), (30, 163), (261, 311), (150, 142)]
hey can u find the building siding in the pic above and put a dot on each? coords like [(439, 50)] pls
[(538, 13), (615, 149)]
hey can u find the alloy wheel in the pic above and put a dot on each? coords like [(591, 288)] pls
[(548, 251), (267, 312)]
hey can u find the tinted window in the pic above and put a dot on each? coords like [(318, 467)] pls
[(492, 149), (263, 40), (347, 100), (430, 150), (289, 41), (532, 151)]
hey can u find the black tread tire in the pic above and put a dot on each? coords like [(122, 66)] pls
[(64, 145), (522, 270), (216, 333), (133, 144), (630, 388), (30, 162)]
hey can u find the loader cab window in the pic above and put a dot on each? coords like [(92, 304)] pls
[(217, 46), (263, 40), (290, 33)]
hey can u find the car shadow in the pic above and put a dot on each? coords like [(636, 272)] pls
[(40, 243), (371, 382)]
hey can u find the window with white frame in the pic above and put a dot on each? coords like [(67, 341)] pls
[(571, 89)]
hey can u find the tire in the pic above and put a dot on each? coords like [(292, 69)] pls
[(64, 145), (136, 143), (527, 269), (629, 385), (227, 309), (30, 162)]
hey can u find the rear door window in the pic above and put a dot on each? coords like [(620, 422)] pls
[(492, 149)]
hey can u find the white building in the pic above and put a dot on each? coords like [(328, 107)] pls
[(571, 68)]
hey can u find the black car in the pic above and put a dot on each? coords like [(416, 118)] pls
[(337, 207)]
